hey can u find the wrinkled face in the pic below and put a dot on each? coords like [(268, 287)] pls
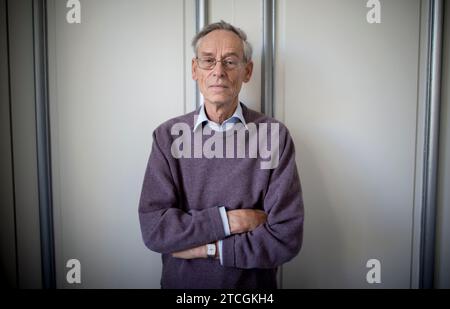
[(221, 85)]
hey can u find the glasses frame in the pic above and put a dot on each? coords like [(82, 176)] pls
[(240, 63)]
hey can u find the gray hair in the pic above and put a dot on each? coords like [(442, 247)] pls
[(222, 25)]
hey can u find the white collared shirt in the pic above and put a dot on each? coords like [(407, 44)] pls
[(224, 126)]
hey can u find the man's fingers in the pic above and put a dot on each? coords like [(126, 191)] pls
[(180, 254), (245, 220), (260, 217)]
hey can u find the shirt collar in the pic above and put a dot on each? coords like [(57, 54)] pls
[(237, 116)]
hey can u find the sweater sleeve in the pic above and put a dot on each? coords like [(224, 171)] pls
[(280, 238), (165, 227)]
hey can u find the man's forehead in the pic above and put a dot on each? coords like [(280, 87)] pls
[(227, 41)]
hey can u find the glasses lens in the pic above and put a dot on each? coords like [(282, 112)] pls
[(210, 63), (206, 63), (230, 64)]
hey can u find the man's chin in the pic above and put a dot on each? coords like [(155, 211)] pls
[(220, 101)]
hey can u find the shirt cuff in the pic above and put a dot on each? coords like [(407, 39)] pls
[(226, 226), (220, 252)]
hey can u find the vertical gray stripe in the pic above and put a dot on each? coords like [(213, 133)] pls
[(201, 20), (268, 58), (431, 146), (201, 14), (8, 54), (267, 72), (43, 142)]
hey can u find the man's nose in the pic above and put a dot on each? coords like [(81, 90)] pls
[(219, 69)]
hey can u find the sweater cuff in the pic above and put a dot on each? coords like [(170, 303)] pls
[(228, 255), (216, 223)]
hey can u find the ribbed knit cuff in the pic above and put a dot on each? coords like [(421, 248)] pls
[(228, 254)]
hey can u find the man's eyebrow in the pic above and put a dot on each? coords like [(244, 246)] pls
[(230, 54), (224, 56), (206, 54)]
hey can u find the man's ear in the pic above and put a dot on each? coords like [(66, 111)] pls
[(194, 69), (248, 71)]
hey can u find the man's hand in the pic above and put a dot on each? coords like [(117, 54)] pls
[(245, 220), (192, 253)]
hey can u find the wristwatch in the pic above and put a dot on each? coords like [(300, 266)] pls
[(211, 250)]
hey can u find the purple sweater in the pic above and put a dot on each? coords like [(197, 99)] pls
[(179, 209)]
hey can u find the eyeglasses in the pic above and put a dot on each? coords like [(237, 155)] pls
[(209, 63)]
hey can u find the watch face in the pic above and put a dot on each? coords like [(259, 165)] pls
[(211, 250)]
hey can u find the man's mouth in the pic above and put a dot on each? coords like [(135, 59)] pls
[(218, 86)]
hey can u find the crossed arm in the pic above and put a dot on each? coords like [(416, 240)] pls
[(259, 238), (240, 221)]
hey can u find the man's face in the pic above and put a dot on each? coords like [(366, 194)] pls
[(220, 85)]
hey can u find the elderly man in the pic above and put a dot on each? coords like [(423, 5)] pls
[(221, 221)]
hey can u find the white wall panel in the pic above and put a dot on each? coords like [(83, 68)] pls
[(349, 97), (114, 78)]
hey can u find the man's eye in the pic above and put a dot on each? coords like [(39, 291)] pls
[(231, 62), (209, 61)]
